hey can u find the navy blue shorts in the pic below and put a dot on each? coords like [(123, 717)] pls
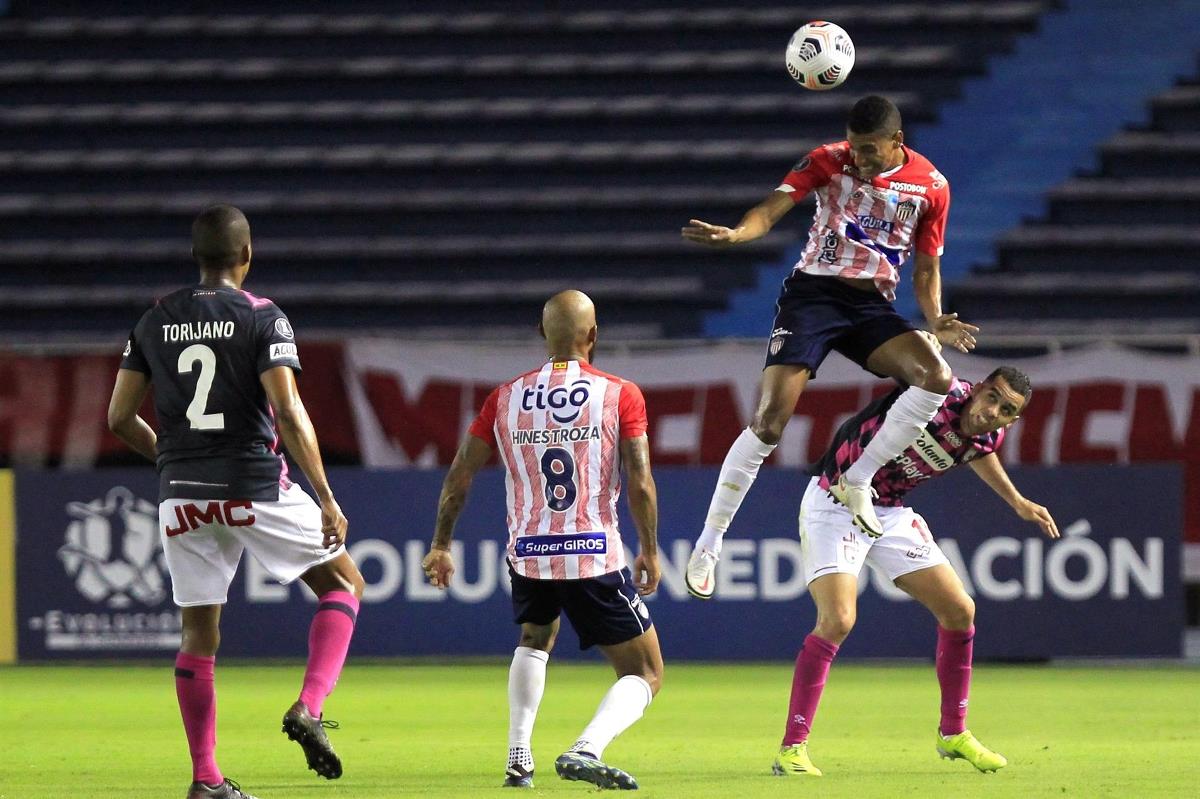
[(603, 610), (817, 314)]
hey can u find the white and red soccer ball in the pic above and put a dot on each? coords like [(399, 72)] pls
[(819, 56)]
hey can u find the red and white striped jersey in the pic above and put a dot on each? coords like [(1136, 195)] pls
[(558, 430), (868, 229)]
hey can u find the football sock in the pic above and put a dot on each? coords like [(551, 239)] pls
[(737, 475), (328, 640), (624, 704), (808, 681), (908, 415), (954, 651), (197, 694), (526, 684)]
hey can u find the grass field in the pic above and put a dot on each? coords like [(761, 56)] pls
[(440, 731)]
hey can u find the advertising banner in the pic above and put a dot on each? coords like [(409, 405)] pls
[(91, 581)]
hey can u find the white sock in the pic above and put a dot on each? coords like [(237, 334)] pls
[(526, 684), (908, 415), (619, 709), (737, 475)]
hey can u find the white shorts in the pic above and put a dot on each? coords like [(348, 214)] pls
[(831, 544), (203, 540)]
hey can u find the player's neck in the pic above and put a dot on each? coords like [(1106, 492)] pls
[(571, 355), (222, 279)]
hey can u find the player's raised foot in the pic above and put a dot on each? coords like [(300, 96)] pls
[(585, 768), (309, 732), (228, 789), (701, 573), (517, 776), (857, 500), (793, 761), (966, 746)]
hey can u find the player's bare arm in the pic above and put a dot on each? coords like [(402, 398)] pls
[(470, 458), (757, 222), (297, 433), (927, 286), (643, 506), (123, 418), (991, 471)]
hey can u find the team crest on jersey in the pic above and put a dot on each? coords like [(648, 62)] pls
[(905, 210), (284, 328), (128, 348)]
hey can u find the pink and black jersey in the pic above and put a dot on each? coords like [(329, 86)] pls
[(941, 446), (558, 431), (868, 229)]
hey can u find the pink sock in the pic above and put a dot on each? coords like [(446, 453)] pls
[(328, 640), (954, 648), (812, 667), (197, 695)]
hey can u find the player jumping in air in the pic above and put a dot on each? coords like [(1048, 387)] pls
[(968, 428), (877, 201), (221, 361), (564, 431)]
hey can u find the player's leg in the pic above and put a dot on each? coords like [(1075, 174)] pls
[(526, 685), (781, 387), (833, 551), (201, 562), (607, 612), (536, 607), (908, 356), (940, 590)]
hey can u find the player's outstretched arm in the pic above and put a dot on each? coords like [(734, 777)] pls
[(470, 458), (991, 471), (757, 222), (927, 286), (643, 506), (297, 433), (128, 393)]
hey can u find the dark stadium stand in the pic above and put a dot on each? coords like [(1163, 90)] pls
[(1116, 249), (435, 172)]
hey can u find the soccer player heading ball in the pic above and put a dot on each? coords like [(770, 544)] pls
[(877, 202)]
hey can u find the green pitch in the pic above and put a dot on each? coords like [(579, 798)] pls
[(440, 731)]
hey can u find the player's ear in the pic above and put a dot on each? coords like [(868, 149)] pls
[(541, 330), (593, 334), (246, 253), (898, 138)]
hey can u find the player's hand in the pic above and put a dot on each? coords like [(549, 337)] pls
[(953, 333), (1033, 512), (333, 524), (646, 574), (439, 567), (712, 235)]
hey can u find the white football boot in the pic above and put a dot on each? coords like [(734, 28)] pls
[(858, 502), (700, 577)]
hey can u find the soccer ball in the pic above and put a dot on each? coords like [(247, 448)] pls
[(819, 56)]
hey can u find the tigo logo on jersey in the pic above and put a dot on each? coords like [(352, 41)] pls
[(281, 351), (542, 546), (564, 403)]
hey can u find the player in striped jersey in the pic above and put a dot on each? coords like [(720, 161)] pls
[(563, 431), (968, 428), (877, 202)]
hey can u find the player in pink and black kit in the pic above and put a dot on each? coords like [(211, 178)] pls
[(222, 364), (968, 427), (564, 431), (878, 202)]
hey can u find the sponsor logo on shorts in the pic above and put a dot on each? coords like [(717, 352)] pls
[(281, 351), (777, 337), (544, 546)]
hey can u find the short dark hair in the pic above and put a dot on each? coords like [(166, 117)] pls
[(219, 235), (1017, 380), (874, 114)]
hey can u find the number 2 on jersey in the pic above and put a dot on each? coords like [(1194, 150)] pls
[(202, 354), (558, 467)]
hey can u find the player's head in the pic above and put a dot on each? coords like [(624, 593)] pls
[(876, 140), (221, 239), (569, 325), (996, 401)]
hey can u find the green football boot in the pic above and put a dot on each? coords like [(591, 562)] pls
[(967, 746), (793, 761)]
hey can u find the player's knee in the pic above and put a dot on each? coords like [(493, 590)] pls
[(768, 426), (835, 626), (960, 615), (538, 638), (935, 376), (201, 642), (653, 676), (355, 580)]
